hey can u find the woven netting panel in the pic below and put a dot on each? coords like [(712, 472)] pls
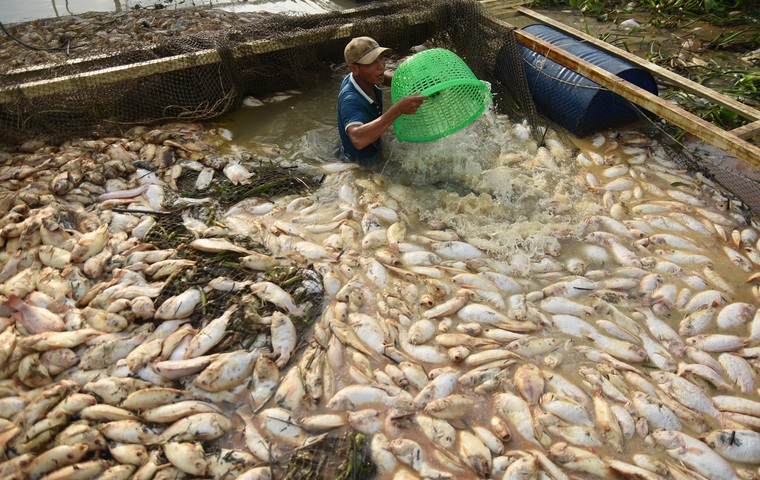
[(108, 73), (737, 177)]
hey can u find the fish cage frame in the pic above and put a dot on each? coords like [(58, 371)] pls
[(399, 24)]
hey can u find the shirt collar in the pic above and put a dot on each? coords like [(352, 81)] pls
[(359, 89)]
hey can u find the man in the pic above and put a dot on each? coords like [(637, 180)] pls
[(361, 121)]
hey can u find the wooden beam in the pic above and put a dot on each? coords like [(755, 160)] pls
[(687, 85), (664, 109), (70, 83), (747, 131)]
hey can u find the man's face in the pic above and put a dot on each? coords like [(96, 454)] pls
[(372, 72)]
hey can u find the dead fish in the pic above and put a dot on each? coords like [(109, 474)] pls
[(179, 306), (143, 354), (259, 261), (451, 407), (367, 421), (151, 397), (128, 431), (738, 370), (168, 267), (229, 463), (566, 408), (254, 439), (741, 446), (114, 390), (175, 369), (474, 452), (237, 173), (55, 458), (449, 307), (90, 244), (283, 338), (198, 427), (578, 459), (323, 422), (228, 371), (108, 352), (53, 256), (517, 412), (35, 319), (457, 250), (356, 396), (81, 470), (186, 456), (695, 454), (216, 245), (717, 342), (281, 424), (119, 194), (210, 335), (205, 177), (655, 412), (735, 314), (273, 293)]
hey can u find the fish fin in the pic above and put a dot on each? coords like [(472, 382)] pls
[(14, 301), (588, 333)]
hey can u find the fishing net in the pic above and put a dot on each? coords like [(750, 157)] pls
[(170, 232), (732, 182), (104, 74), (94, 74), (344, 458), (740, 181)]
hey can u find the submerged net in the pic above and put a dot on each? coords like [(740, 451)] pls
[(108, 73)]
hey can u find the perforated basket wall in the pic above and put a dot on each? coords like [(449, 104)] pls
[(457, 97)]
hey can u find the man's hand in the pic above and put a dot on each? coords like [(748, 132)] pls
[(409, 104), (363, 135)]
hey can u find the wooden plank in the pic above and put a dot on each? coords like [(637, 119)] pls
[(674, 114), (503, 7), (687, 85), (107, 76), (747, 131), (511, 13), (501, 13)]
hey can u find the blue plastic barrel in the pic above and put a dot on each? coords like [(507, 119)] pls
[(573, 101)]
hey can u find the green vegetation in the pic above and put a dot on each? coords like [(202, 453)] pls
[(717, 10), (717, 57)]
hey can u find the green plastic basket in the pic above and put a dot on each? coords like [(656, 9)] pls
[(457, 97)]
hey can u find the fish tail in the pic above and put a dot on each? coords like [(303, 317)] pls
[(14, 301)]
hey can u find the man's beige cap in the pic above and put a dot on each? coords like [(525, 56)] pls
[(364, 50)]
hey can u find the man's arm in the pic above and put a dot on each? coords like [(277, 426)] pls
[(363, 135)]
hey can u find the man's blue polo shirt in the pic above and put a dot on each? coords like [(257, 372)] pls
[(356, 108)]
